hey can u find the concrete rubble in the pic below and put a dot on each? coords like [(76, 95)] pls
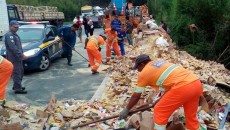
[(68, 113)]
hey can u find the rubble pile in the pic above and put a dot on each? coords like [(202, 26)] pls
[(120, 88), (69, 113)]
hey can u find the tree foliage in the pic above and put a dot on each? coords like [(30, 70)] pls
[(211, 41)]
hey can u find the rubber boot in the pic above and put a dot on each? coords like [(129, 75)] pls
[(94, 72), (69, 61)]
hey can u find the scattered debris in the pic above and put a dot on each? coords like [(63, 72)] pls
[(68, 113)]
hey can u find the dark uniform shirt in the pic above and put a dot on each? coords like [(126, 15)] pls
[(13, 45), (121, 35), (129, 27), (116, 24), (68, 35)]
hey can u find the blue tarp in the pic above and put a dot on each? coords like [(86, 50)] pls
[(119, 4)]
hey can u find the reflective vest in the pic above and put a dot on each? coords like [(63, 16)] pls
[(94, 39), (164, 75)]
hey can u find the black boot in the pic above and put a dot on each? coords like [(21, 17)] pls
[(69, 61)]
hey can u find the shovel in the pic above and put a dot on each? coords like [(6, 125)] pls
[(75, 51), (142, 108)]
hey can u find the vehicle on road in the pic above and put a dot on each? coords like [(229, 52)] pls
[(10, 12), (95, 13), (40, 43)]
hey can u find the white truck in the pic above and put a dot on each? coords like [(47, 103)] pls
[(95, 13), (28, 13)]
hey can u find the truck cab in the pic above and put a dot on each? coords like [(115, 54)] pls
[(86, 10), (7, 13), (13, 12)]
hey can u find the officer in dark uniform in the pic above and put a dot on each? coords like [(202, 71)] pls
[(68, 36), (14, 54)]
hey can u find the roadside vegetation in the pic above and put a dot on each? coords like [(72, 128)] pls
[(211, 39)]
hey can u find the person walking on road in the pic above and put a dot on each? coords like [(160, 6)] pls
[(68, 37), (93, 46), (90, 25), (129, 31), (14, 54), (181, 87), (112, 42), (6, 69), (121, 36), (86, 27), (79, 31)]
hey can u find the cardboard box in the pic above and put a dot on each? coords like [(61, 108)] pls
[(135, 121), (14, 126), (147, 121), (179, 126)]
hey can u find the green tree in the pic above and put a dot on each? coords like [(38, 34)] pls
[(211, 41)]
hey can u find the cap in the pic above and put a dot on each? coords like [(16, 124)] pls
[(140, 59), (14, 23), (104, 36)]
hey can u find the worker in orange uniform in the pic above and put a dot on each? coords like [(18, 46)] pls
[(6, 69), (93, 46), (112, 42), (181, 87), (106, 23)]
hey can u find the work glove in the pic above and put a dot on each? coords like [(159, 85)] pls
[(99, 48), (124, 113)]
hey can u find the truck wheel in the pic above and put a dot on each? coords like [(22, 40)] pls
[(45, 62)]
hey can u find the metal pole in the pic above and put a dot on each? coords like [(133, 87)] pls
[(75, 51)]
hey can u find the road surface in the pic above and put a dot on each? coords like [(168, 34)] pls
[(65, 82)]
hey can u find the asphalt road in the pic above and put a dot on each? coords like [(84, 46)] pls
[(65, 82)]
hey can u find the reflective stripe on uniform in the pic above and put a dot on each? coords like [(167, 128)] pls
[(164, 75), (1, 59), (159, 127), (139, 89), (98, 64)]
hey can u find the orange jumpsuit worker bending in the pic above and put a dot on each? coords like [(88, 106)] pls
[(181, 86), (112, 42), (6, 69), (92, 45)]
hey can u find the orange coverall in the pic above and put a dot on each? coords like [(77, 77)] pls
[(6, 69), (107, 25), (181, 86), (93, 44), (112, 42)]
